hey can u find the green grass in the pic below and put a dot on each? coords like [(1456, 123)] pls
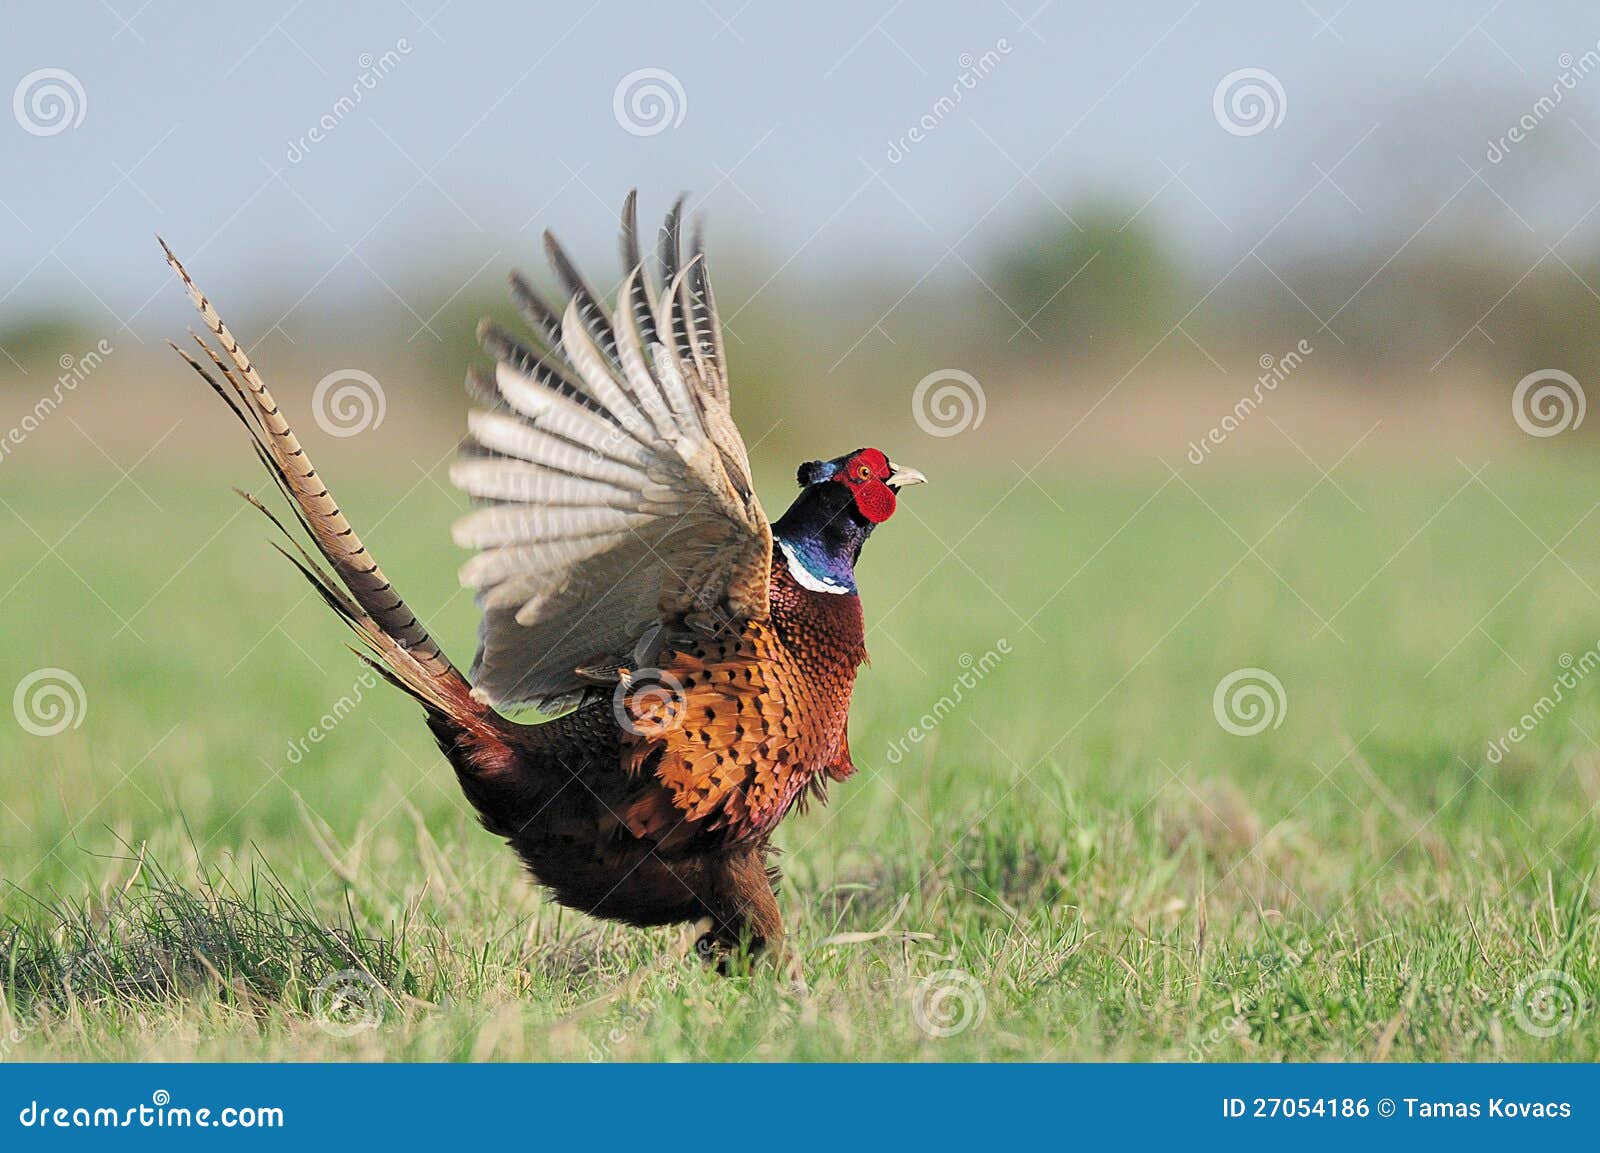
[(1077, 839)]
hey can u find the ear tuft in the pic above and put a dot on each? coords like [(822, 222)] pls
[(813, 472)]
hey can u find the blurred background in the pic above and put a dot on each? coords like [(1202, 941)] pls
[(1234, 338), (1108, 218)]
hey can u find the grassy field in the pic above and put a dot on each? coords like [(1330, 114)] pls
[(1076, 860)]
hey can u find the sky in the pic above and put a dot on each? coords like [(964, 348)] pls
[(237, 134)]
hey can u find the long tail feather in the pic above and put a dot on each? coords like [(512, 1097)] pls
[(356, 588)]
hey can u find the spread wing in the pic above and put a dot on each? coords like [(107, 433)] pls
[(615, 499)]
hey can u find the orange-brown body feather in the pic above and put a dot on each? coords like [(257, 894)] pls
[(641, 821), (752, 720)]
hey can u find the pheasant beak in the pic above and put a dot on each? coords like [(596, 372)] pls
[(900, 477)]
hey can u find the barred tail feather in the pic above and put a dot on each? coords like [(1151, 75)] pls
[(356, 588)]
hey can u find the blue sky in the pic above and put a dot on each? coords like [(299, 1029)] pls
[(495, 120)]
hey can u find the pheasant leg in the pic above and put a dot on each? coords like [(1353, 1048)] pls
[(744, 912)]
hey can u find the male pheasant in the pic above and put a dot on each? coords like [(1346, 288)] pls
[(701, 659)]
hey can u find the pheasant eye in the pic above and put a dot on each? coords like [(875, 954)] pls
[(864, 472)]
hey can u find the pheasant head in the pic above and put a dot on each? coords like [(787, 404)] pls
[(841, 501)]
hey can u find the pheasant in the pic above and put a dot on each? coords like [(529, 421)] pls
[(699, 660)]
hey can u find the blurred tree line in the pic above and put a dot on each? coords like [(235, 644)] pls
[(1070, 295), (1110, 285)]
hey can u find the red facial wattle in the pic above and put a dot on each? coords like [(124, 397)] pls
[(875, 501), (864, 475)]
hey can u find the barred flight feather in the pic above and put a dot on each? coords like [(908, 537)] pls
[(619, 485)]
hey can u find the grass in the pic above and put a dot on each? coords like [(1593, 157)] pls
[(1075, 861)]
